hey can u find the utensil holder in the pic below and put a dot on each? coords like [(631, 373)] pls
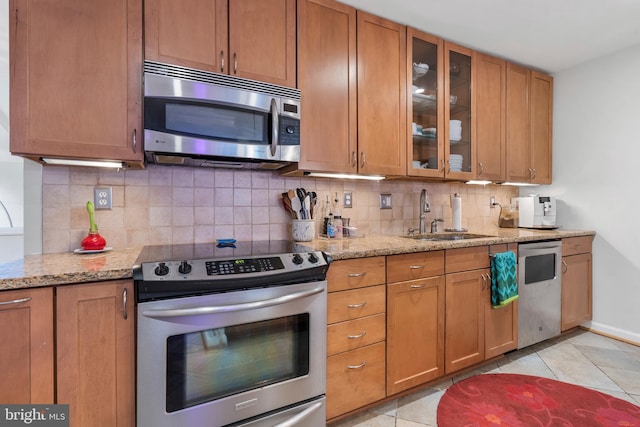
[(303, 230)]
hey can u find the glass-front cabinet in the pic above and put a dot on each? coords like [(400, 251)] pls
[(440, 142), (426, 112), (459, 136)]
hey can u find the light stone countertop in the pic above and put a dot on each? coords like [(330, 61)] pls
[(69, 268)]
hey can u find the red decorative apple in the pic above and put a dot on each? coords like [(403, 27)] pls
[(94, 241)]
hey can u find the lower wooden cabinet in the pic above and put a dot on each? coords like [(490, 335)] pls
[(576, 282), (415, 333), (355, 379), (95, 337), (26, 355)]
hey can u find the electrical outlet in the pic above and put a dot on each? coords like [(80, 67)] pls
[(102, 197), (347, 199), (492, 201), (385, 201)]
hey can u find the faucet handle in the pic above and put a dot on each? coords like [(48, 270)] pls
[(411, 231), (434, 224)]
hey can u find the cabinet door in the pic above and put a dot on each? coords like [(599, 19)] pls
[(517, 120), (327, 78), (425, 106), (490, 99), (26, 355), (576, 290), (76, 79), (501, 327), (464, 319), (459, 141), (190, 33), (95, 357), (262, 40), (541, 111), (382, 94), (415, 333)]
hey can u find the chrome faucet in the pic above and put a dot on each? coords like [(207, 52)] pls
[(424, 207)]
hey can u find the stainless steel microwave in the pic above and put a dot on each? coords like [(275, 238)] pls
[(198, 118)]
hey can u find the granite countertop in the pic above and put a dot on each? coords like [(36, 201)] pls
[(69, 268)]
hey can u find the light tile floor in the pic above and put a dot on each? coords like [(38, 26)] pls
[(578, 357)]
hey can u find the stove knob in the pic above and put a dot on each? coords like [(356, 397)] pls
[(313, 258), (185, 268), (297, 259), (162, 269)]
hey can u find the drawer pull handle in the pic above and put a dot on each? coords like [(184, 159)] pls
[(360, 335), (357, 366), (565, 267), (417, 286), (362, 304), (16, 301), (357, 274), (416, 267)]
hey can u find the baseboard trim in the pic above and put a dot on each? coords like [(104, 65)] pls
[(611, 332)]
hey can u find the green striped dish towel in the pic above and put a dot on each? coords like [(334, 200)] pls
[(504, 280)]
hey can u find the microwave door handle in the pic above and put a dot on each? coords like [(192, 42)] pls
[(296, 419), (275, 126), (215, 309)]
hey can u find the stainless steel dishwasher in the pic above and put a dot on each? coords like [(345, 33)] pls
[(539, 287)]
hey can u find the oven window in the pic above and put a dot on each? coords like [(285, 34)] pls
[(211, 364), (539, 268), (215, 122)]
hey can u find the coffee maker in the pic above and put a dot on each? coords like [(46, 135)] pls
[(536, 211)]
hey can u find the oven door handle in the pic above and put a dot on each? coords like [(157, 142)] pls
[(214, 309), (296, 419)]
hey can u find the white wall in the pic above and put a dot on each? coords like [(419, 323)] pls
[(596, 165)]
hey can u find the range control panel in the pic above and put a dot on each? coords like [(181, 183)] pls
[(251, 266)]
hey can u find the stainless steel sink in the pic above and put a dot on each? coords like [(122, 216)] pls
[(445, 236)]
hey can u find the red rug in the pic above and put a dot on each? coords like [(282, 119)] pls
[(523, 400)]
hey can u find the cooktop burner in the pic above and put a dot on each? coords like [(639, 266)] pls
[(171, 271)]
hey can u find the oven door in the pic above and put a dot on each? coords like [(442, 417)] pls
[(221, 358)]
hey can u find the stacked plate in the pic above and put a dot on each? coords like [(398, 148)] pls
[(455, 162), (455, 130)]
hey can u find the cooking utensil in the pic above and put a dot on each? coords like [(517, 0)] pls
[(286, 202), (302, 194), (306, 206), (314, 201), (296, 206)]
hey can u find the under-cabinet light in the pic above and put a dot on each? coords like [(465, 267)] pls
[(520, 184), (343, 176), (477, 182), (90, 163)]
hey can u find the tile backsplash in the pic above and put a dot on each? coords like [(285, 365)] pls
[(173, 205)]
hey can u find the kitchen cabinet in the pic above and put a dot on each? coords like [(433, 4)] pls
[(327, 78), (490, 100), (474, 330), (381, 94), (26, 355), (254, 39), (415, 319), (76, 79), (95, 336), (529, 125), (441, 142), (576, 281), (355, 334)]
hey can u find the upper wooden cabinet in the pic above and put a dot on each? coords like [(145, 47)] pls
[(75, 79), (529, 116), (26, 316), (327, 78), (490, 100), (441, 142), (254, 39)]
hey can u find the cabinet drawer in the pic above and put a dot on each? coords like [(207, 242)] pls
[(576, 245), (347, 305), (418, 265), (355, 333), (356, 273), (465, 259), (355, 379)]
